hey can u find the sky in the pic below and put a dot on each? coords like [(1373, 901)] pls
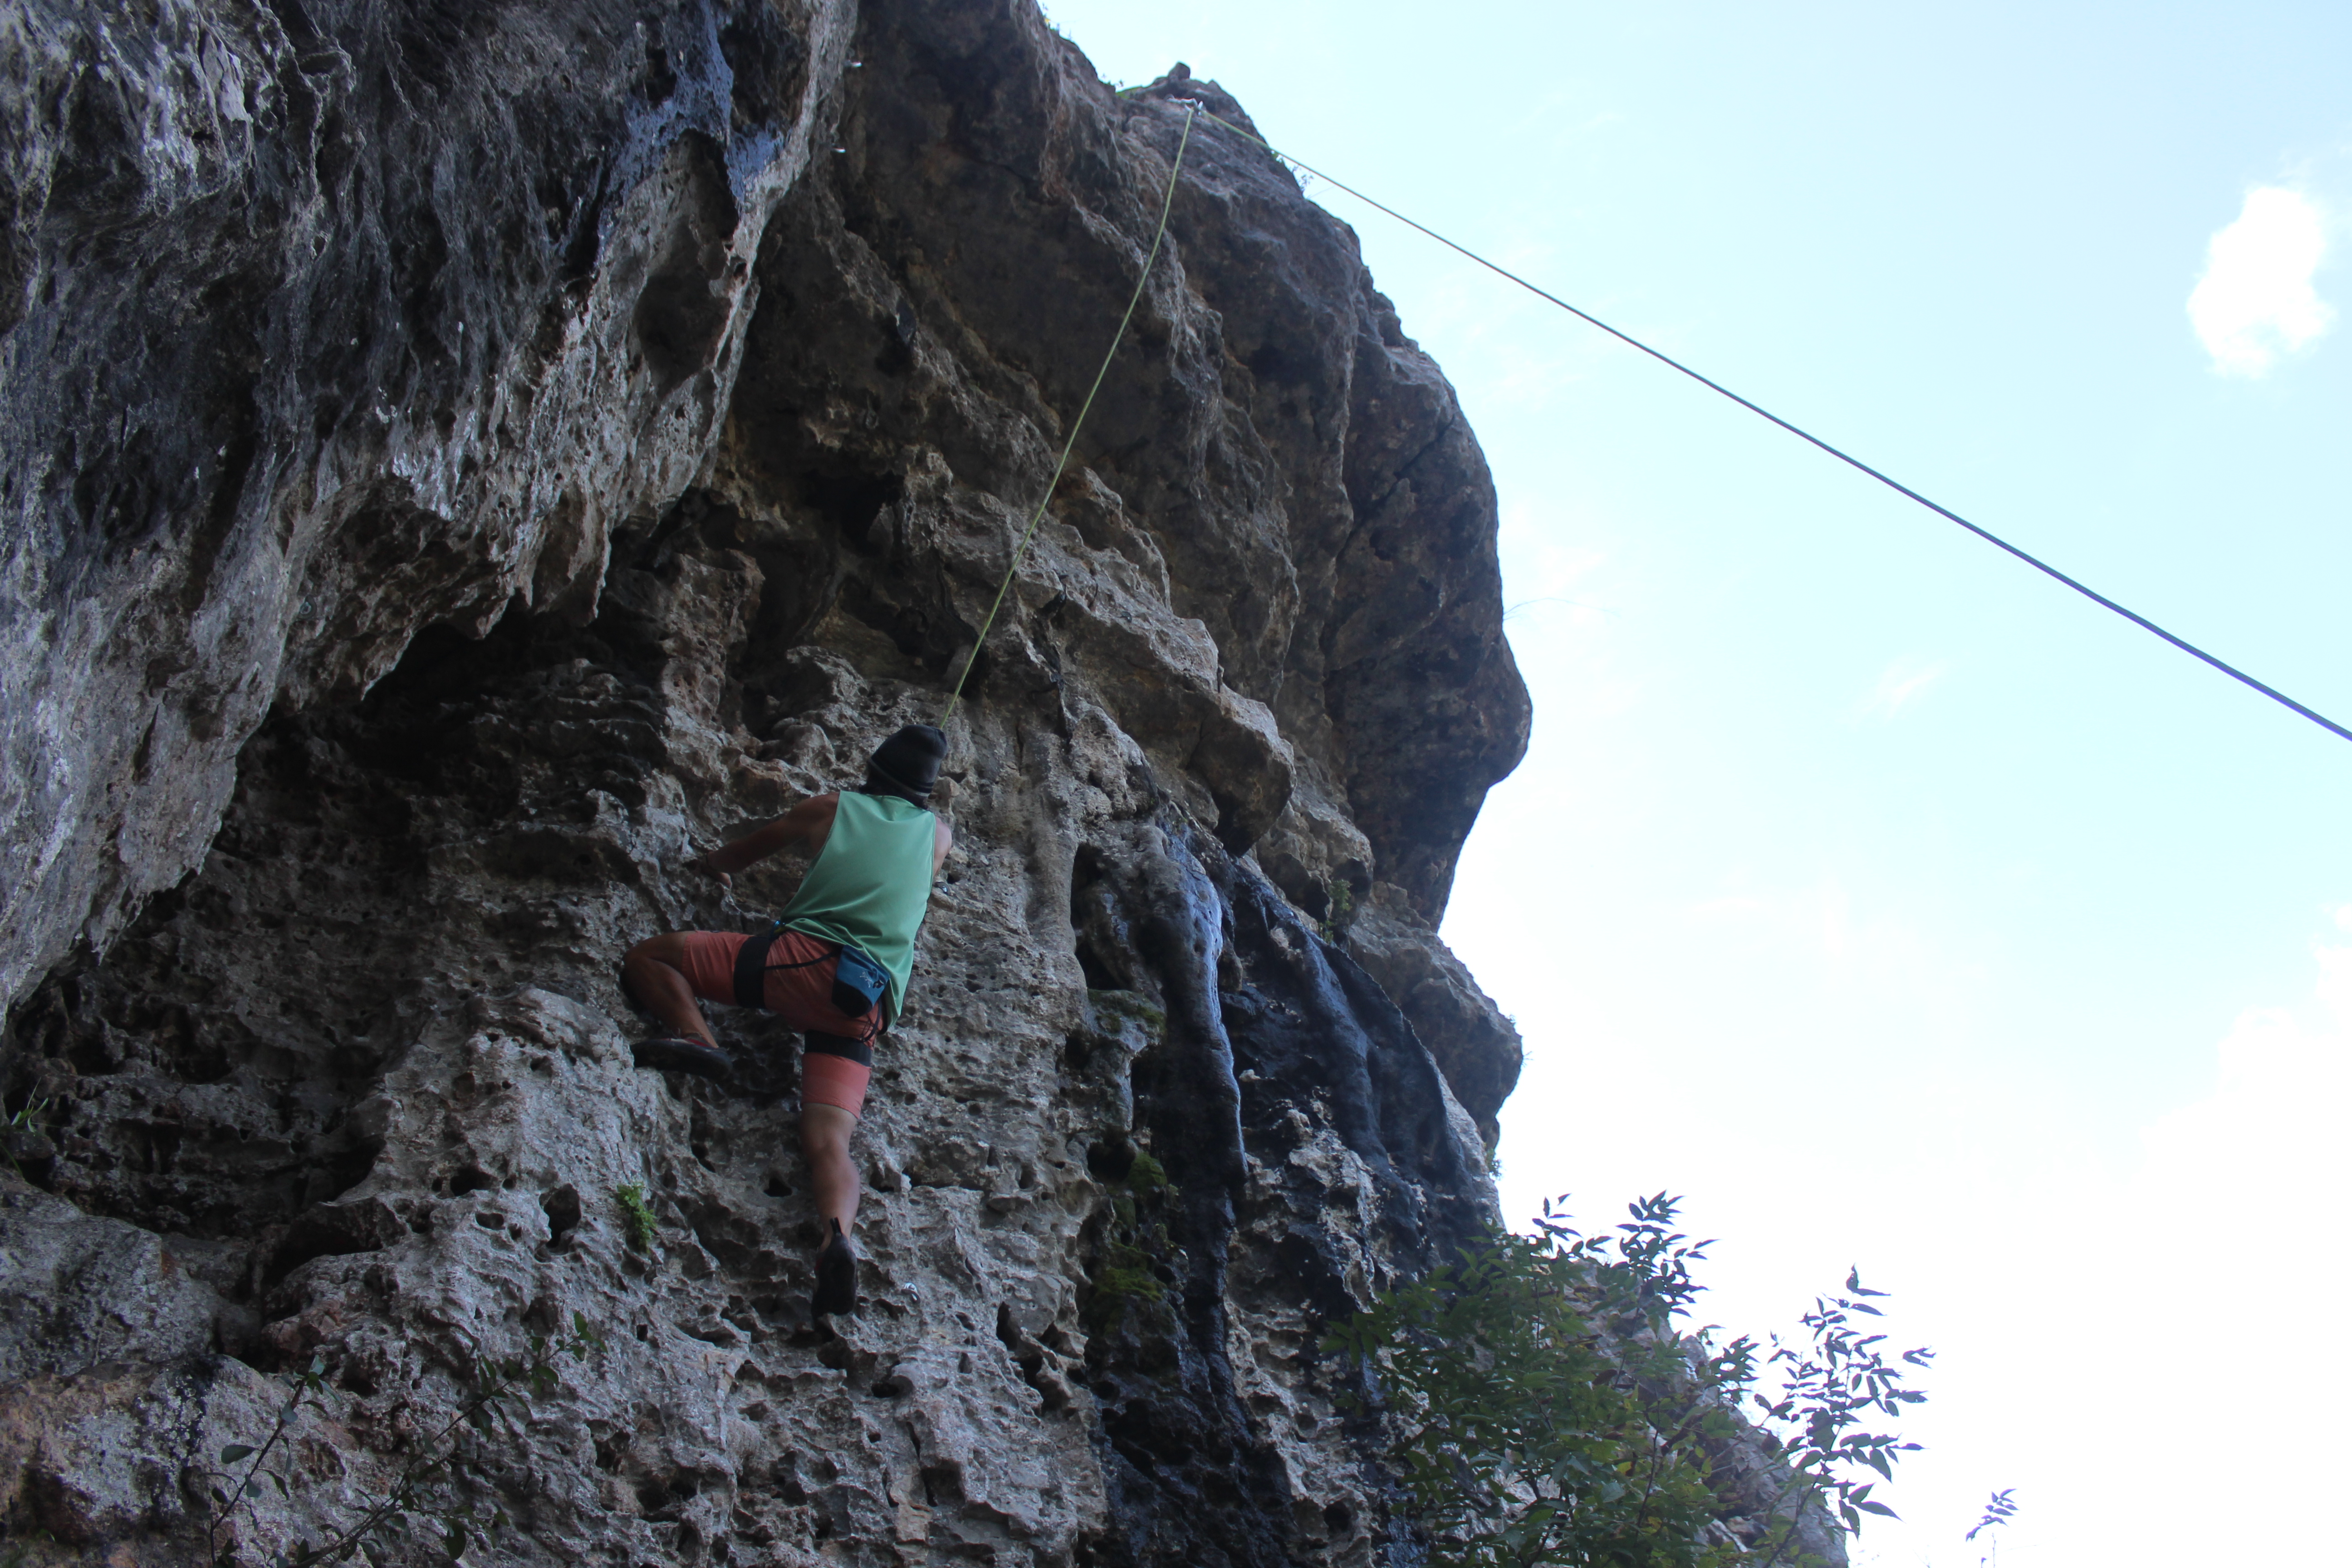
[(1896, 906)]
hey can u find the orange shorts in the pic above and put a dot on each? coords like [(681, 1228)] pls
[(837, 1062)]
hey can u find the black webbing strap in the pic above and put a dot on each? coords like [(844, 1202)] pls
[(751, 970), (751, 966), (844, 1046)]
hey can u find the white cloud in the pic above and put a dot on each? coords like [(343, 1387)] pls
[(1899, 683), (2218, 1274), (2255, 300), (2263, 1154)]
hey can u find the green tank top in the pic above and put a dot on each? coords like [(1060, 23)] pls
[(871, 883)]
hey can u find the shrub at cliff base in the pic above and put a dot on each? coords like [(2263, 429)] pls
[(1551, 1409)]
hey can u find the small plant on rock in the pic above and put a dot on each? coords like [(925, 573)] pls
[(636, 1217), (1126, 1275), (23, 1137), (495, 1382), (1339, 907), (223, 1499)]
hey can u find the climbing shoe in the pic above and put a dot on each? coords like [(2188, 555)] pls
[(837, 1278), (678, 1054)]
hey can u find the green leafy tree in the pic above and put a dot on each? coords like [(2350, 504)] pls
[(1999, 1511), (1832, 1385), (1547, 1410), (1551, 1406)]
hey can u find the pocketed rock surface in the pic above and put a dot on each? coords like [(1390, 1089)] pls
[(459, 462)]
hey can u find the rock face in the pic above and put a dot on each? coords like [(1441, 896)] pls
[(460, 460)]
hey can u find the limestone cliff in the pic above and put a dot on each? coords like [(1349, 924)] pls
[(459, 459)]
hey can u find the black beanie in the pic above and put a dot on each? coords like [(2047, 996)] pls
[(908, 763)]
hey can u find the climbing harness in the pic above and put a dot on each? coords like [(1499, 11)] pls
[(1945, 512), (858, 982), (1167, 201), (751, 966)]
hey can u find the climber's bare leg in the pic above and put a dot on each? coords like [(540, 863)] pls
[(656, 979), (825, 1132)]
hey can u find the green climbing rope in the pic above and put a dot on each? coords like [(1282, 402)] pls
[(1167, 201)]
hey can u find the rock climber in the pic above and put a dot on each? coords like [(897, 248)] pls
[(836, 966)]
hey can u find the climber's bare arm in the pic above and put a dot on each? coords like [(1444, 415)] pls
[(807, 823)]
